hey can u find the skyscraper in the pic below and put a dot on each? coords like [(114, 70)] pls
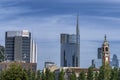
[(115, 61), (99, 56), (20, 47), (70, 48)]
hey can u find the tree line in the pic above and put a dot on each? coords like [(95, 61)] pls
[(16, 72), (105, 73)]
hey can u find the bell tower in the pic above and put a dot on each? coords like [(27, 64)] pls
[(105, 52)]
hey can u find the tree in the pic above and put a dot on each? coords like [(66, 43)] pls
[(81, 76), (114, 74), (29, 74), (14, 72), (96, 75), (43, 76), (73, 76), (61, 75), (90, 73), (38, 75), (49, 75), (104, 72), (107, 72), (118, 75)]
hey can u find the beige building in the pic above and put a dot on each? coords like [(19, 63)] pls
[(68, 71), (27, 66)]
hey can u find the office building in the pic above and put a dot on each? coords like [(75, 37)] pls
[(2, 50), (70, 49), (20, 47), (99, 53), (115, 61), (96, 63)]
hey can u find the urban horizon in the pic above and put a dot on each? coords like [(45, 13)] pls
[(46, 22)]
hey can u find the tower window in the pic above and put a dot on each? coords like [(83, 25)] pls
[(106, 48)]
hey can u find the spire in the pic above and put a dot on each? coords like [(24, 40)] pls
[(77, 26), (105, 38), (77, 61)]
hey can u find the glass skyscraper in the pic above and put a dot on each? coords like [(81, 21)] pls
[(70, 49)]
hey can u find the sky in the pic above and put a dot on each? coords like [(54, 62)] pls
[(47, 19)]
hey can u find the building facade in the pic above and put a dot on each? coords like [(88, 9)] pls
[(69, 70), (26, 66), (115, 61), (20, 47), (105, 53), (70, 49), (2, 50), (99, 53), (103, 56)]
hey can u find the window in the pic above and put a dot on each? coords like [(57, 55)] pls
[(106, 48)]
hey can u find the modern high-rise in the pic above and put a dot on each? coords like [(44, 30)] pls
[(115, 61), (70, 48), (99, 56), (20, 47)]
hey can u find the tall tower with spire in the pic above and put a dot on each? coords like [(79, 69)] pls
[(105, 52), (77, 43), (70, 48)]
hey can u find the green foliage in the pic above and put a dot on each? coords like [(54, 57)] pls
[(101, 73), (61, 75), (43, 76), (104, 72), (73, 76), (118, 75), (114, 74), (96, 75), (107, 72), (14, 72), (49, 75), (81, 75), (38, 75), (90, 73)]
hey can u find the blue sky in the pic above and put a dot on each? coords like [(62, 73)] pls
[(47, 19)]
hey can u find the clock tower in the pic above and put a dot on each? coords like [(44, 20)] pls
[(105, 52)]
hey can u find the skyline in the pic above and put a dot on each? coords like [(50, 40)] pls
[(46, 20)]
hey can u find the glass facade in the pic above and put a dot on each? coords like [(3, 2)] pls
[(69, 56)]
